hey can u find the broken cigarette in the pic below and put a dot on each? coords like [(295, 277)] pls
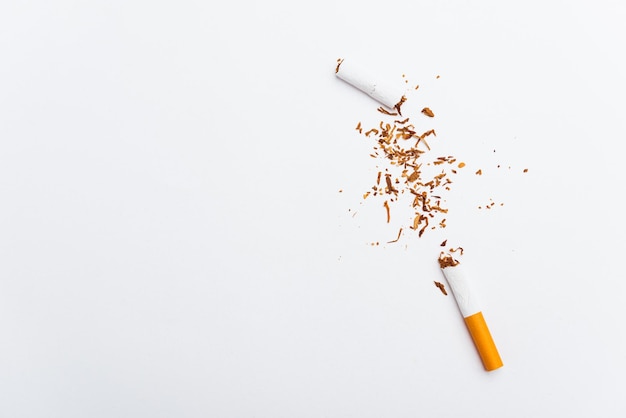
[(358, 76), (469, 307)]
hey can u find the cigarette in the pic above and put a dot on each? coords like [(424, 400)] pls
[(358, 76), (470, 309)]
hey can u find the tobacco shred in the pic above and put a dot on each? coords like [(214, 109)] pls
[(386, 112), (386, 205), (339, 61), (398, 105), (390, 188), (441, 287), (397, 239), (428, 112), (427, 133), (424, 227), (443, 244), (453, 250)]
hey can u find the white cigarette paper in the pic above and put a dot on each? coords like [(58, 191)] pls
[(465, 297), (359, 77)]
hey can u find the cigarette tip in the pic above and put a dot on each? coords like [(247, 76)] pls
[(446, 260)]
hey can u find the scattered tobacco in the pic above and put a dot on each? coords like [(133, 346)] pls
[(408, 174)]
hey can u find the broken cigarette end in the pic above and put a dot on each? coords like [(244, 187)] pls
[(470, 309), (358, 76)]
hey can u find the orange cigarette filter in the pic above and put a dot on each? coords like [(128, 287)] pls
[(469, 307), (484, 343)]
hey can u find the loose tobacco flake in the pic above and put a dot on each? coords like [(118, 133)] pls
[(397, 239), (428, 112), (441, 287), (386, 205), (386, 112)]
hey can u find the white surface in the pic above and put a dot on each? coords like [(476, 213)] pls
[(462, 289), (173, 242)]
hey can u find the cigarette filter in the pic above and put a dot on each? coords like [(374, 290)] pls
[(358, 76), (469, 307)]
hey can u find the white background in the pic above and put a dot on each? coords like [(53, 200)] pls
[(173, 242)]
